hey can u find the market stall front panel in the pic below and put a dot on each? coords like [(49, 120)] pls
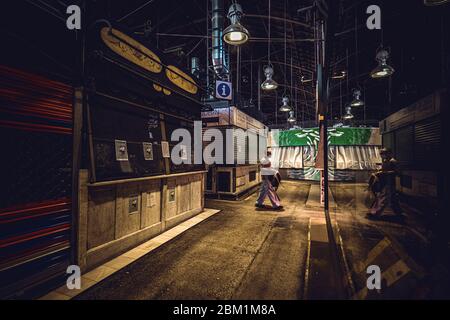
[(233, 169)]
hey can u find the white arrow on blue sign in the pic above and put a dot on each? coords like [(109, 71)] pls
[(223, 90)]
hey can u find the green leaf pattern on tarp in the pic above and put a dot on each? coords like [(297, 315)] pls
[(310, 137)]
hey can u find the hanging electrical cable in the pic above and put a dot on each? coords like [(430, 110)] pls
[(235, 34), (383, 70), (269, 84), (356, 102), (285, 107), (292, 119)]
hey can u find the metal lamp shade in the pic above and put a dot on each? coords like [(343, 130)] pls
[(285, 107), (235, 34), (269, 83)]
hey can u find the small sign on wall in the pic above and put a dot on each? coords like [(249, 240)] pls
[(148, 150), (223, 90), (165, 149), (171, 195), (133, 204), (121, 150)]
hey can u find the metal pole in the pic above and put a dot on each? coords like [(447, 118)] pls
[(259, 86), (323, 97), (238, 75), (207, 50)]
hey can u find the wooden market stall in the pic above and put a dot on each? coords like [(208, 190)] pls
[(233, 170), (130, 189), (414, 134)]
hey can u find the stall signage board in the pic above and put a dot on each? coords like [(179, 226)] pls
[(224, 90)]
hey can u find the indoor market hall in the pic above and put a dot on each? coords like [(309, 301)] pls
[(249, 151)]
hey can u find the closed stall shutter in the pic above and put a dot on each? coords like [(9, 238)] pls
[(252, 147), (240, 146), (36, 180), (404, 143), (236, 149), (262, 146), (388, 141), (210, 156), (427, 136)]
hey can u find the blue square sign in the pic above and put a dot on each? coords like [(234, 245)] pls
[(224, 90)]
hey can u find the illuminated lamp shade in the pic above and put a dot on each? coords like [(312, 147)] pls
[(348, 113), (357, 102), (285, 107), (269, 83), (235, 34), (292, 118), (383, 69)]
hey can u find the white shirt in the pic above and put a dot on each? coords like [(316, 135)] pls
[(268, 171), (265, 160)]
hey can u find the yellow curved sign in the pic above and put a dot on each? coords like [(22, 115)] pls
[(181, 79), (126, 49)]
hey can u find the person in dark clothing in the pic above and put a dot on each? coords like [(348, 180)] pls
[(382, 184), (270, 182)]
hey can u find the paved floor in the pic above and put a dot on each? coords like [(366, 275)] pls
[(248, 253), (401, 247), (239, 253)]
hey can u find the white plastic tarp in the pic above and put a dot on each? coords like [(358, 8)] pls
[(357, 157), (287, 157)]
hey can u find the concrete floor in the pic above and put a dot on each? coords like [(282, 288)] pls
[(243, 253), (239, 253)]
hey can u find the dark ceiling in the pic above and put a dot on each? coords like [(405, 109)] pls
[(416, 36)]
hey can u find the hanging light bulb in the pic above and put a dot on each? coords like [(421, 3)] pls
[(291, 118), (235, 34), (348, 113), (357, 102), (383, 69), (285, 107), (269, 83)]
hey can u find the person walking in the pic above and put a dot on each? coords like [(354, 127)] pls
[(382, 184), (269, 177)]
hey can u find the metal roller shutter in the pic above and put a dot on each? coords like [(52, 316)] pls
[(404, 144), (36, 171), (208, 138), (240, 146), (252, 147), (427, 136)]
